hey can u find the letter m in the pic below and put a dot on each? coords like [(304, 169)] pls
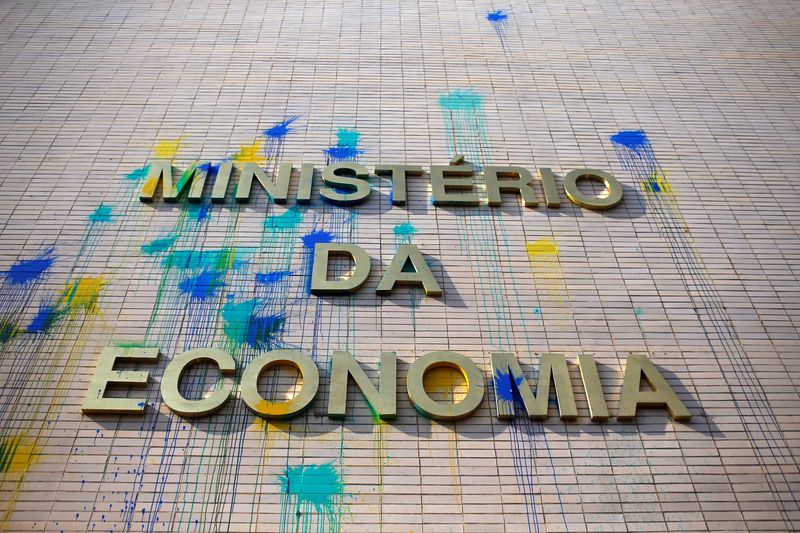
[(510, 384), (161, 172)]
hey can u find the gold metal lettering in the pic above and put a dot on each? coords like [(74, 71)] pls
[(306, 182), (288, 409), (421, 275), (549, 187), (104, 374), (350, 176), (170, 382), (321, 285), (161, 172), (344, 366), (661, 394), (278, 190), (442, 185), (398, 173), (598, 409), (592, 202), (553, 367), (521, 183), (436, 410), (221, 181)]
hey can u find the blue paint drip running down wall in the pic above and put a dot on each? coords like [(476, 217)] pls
[(635, 153)]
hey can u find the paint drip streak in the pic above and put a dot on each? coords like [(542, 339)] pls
[(636, 155)]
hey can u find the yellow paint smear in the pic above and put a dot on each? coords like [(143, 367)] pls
[(167, 148), (542, 247), (250, 153), (83, 294), (22, 453)]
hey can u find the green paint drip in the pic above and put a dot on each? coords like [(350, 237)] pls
[(220, 260), (461, 100), (8, 331), (289, 220), (8, 448), (311, 498), (237, 320)]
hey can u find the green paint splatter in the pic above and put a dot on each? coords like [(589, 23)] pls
[(159, 246), (289, 220), (138, 174), (311, 498), (405, 230), (236, 317)]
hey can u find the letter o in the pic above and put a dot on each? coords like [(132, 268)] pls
[(259, 365), (592, 202), (170, 382), (436, 410)]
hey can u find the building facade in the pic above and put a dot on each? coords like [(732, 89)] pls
[(690, 106)]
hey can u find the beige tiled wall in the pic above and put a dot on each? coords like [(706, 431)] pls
[(699, 273)]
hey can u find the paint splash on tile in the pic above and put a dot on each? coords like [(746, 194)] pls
[(465, 125), (17, 454), (311, 498), (168, 148), (499, 21), (250, 153), (104, 213), (28, 271), (202, 286), (83, 295), (346, 147)]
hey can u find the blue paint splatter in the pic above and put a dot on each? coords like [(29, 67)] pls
[(310, 240), (209, 168), (268, 278), (499, 21), (632, 139), (30, 270), (8, 331), (281, 129), (103, 213), (203, 285), (346, 148), (47, 315), (505, 389), (262, 329), (200, 212), (496, 16)]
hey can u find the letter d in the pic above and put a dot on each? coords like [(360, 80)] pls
[(321, 285)]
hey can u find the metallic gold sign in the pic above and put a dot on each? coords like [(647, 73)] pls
[(507, 376), (170, 382), (346, 183)]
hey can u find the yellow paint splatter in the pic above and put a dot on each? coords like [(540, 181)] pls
[(167, 148), (83, 294), (17, 454), (250, 153), (541, 247)]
